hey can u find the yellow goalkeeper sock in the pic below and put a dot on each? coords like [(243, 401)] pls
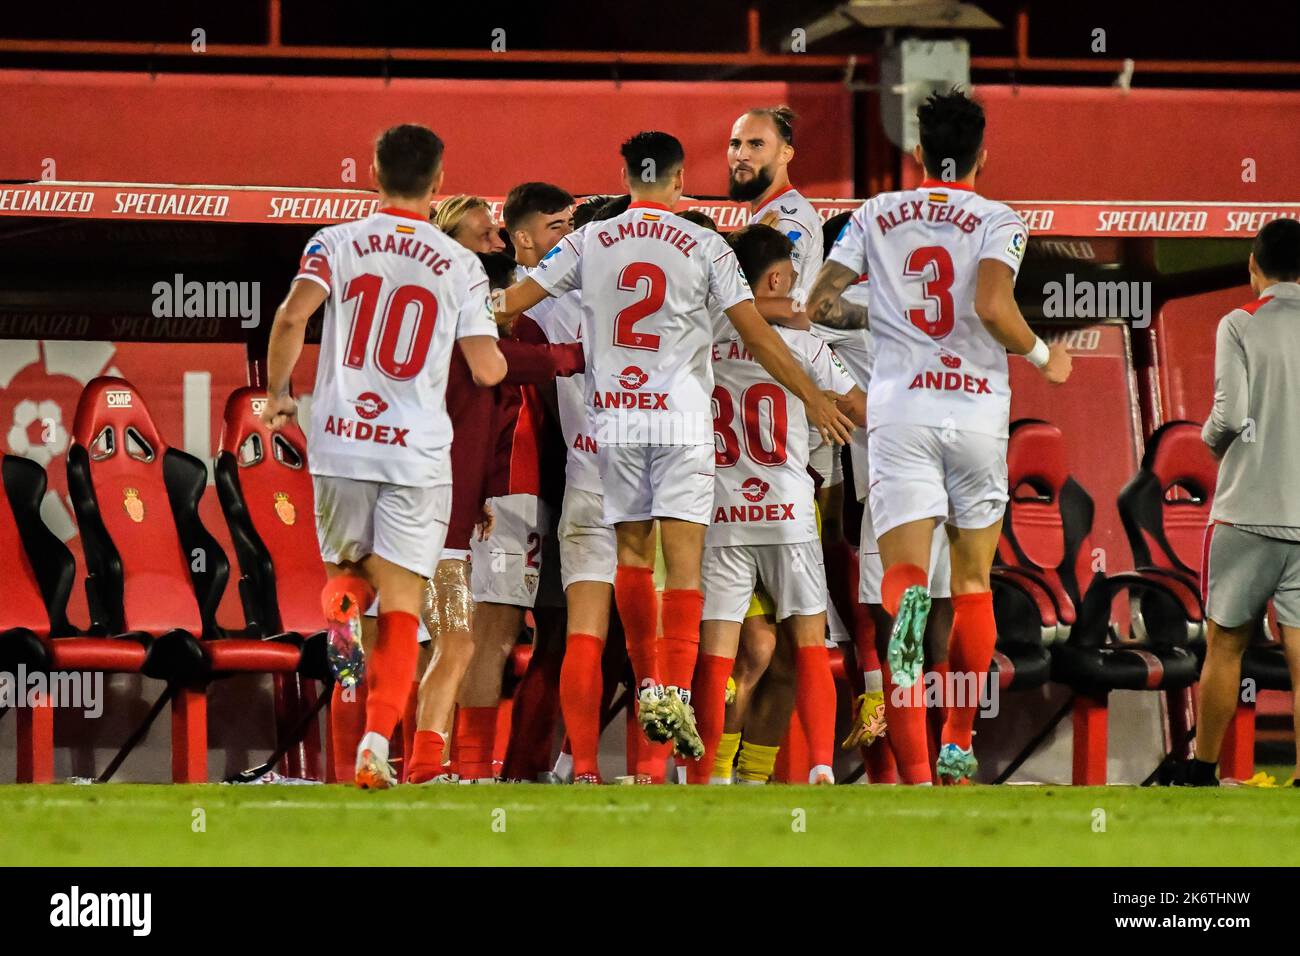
[(757, 762), (728, 744)]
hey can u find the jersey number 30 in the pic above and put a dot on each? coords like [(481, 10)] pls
[(933, 264), (726, 445), (366, 289)]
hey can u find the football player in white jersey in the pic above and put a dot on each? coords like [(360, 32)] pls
[(646, 277), (942, 262), (764, 523), (398, 295)]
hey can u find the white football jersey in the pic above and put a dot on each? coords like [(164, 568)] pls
[(922, 248), (646, 277), (795, 218), (763, 493), (400, 293), (561, 320)]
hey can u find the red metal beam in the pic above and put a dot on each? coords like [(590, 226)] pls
[(273, 23), (264, 51)]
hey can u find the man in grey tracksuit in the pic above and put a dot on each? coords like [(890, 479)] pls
[(1253, 553)]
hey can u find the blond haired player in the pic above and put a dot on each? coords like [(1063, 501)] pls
[(646, 277), (398, 295), (942, 262)]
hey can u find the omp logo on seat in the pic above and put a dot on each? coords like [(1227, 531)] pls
[(259, 406), (118, 399), (369, 405)]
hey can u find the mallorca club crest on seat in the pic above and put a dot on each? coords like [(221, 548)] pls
[(133, 504), (284, 508)]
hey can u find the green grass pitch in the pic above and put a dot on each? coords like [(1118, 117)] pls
[(136, 824)]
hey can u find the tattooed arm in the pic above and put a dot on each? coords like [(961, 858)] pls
[(825, 305)]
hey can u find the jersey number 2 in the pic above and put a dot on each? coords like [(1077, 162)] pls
[(934, 265), (366, 289), (629, 280)]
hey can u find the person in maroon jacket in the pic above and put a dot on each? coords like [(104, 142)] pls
[(449, 606)]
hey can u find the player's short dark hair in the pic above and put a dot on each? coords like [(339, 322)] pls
[(952, 128), (500, 269), (529, 198), (586, 210), (611, 208), (1277, 250), (758, 248), (782, 118), (832, 228), (654, 153), (699, 218), (407, 157)]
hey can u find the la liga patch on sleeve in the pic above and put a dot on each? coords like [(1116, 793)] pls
[(1016, 247)]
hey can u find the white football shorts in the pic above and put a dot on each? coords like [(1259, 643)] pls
[(657, 481), (791, 574), (871, 569), (587, 551), (507, 567), (921, 472), (399, 523)]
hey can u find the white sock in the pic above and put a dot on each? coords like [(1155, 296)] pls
[(874, 681), (377, 744), (720, 781), (564, 766), (681, 774), (820, 769)]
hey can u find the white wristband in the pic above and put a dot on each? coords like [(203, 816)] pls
[(1039, 354)]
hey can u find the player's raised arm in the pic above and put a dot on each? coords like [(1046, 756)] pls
[(825, 305), (285, 345), (520, 297), (770, 352), (995, 304)]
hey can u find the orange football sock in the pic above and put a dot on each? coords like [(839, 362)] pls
[(905, 715), (815, 702), (878, 761), (638, 606), (426, 757), (898, 579), (355, 589), (408, 726), (970, 651), (581, 685), (681, 641), (347, 724), (652, 759), (709, 698), (476, 730), (390, 668)]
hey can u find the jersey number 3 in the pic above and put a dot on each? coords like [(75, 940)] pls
[(629, 280), (366, 289), (934, 265)]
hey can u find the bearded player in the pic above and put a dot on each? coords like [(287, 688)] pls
[(942, 262), (398, 295), (645, 278)]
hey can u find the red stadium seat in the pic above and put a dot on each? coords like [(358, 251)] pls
[(266, 495), (154, 572), (39, 576), (1166, 511), (1045, 544)]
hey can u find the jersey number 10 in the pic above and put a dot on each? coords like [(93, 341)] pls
[(366, 289)]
